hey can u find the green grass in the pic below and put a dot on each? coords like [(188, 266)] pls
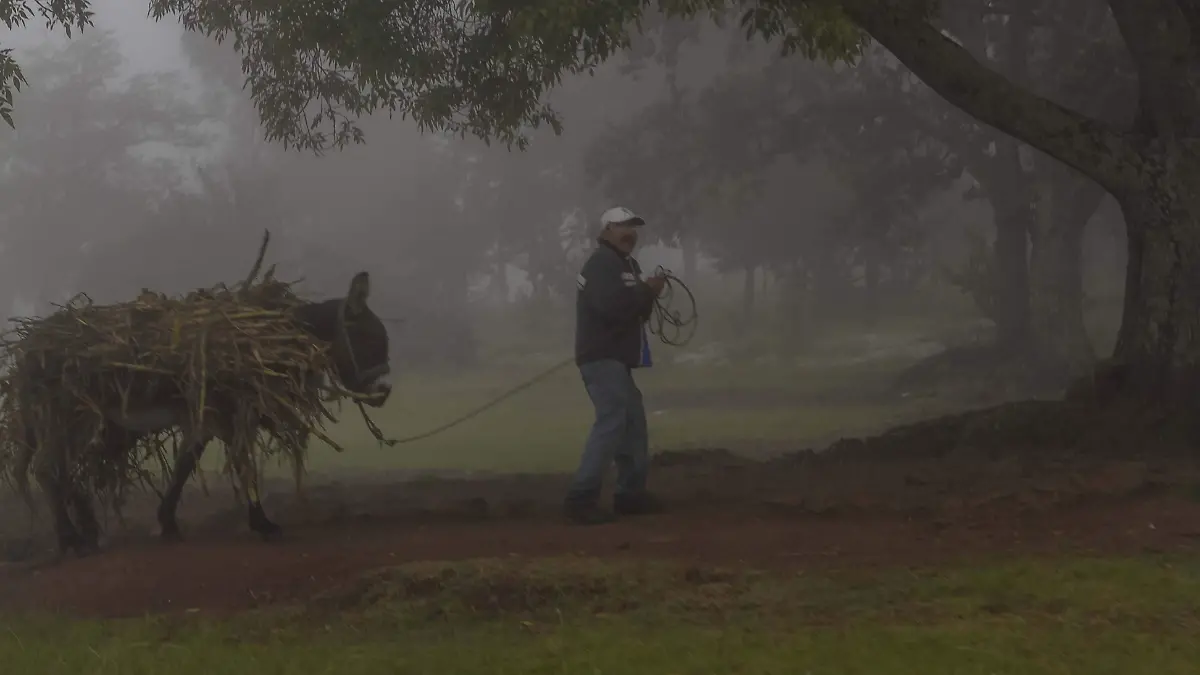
[(1027, 618), (744, 408), (542, 429)]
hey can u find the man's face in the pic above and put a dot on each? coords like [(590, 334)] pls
[(623, 236)]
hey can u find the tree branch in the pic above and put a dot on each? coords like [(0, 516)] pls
[(1158, 37), (1097, 150), (1191, 10)]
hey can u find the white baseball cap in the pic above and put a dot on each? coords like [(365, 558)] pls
[(619, 215)]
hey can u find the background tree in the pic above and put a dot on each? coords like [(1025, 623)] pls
[(707, 160), (84, 172), (487, 72)]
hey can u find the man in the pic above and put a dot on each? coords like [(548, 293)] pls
[(612, 306)]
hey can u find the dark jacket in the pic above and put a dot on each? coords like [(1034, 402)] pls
[(611, 306)]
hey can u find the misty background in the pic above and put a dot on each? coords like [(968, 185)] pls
[(810, 208)]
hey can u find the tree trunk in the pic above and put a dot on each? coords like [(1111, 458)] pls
[(1160, 334), (458, 289), (503, 288), (796, 304), (748, 293), (1151, 167), (827, 285), (1135, 247), (690, 255), (1058, 337), (871, 265), (1012, 267), (1010, 193)]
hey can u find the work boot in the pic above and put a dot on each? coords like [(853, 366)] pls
[(588, 514), (638, 504)]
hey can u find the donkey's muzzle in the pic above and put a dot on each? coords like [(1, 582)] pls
[(378, 389)]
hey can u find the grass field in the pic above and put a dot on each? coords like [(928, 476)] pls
[(749, 409), (575, 616), (581, 616)]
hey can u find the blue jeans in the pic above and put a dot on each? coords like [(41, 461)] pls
[(619, 434)]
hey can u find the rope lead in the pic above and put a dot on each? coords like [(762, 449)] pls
[(668, 324)]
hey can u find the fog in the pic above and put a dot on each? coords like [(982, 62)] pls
[(138, 162), (904, 429)]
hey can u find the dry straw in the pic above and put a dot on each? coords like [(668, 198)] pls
[(233, 350)]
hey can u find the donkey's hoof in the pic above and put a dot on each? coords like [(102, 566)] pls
[(269, 532), (79, 547), (85, 550), (69, 543), (170, 534), (260, 523)]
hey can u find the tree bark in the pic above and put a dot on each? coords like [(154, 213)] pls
[(1013, 212), (1151, 168), (1160, 334), (1135, 247), (1011, 259), (1095, 149), (1009, 191), (1058, 335)]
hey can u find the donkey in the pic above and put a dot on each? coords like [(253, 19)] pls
[(360, 353)]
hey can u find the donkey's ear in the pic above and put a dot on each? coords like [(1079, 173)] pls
[(360, 289)]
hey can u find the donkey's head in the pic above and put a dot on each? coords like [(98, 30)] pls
[(359, 339)]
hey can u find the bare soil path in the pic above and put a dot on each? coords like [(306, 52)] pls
[(784, 515)]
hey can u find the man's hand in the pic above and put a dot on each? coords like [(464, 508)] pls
[(656, 284)]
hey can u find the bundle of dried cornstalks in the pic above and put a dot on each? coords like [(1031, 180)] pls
[(65, 375)]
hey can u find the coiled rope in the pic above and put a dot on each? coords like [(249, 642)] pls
[(672, 326)]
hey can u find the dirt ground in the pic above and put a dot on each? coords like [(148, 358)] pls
[(1020, 480), (226, 573)]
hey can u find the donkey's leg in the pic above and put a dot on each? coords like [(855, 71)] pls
[(257, 516), (50, 470), (240, 444), (184, 468), (115, 443), (85, 514)]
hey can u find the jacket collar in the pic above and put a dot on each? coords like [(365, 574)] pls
[(628, 260), (604, 242)]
